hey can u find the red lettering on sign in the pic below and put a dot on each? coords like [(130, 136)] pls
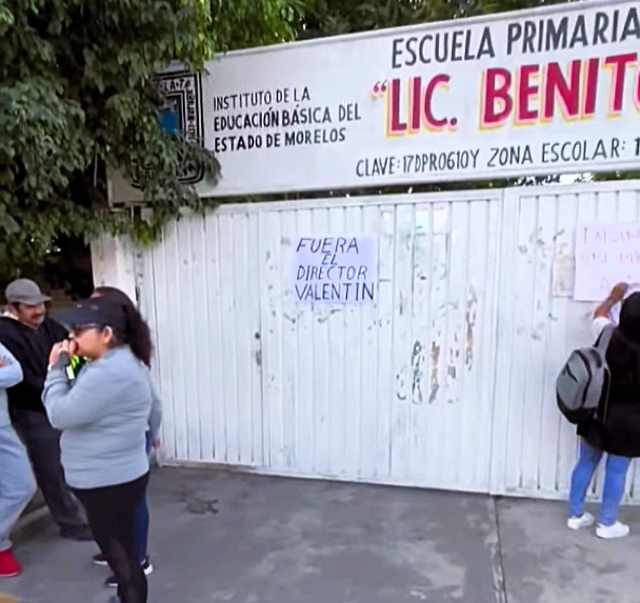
[(497, 103), (540, 93)]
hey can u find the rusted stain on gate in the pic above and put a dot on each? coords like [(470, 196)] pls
[(470, 320), (417, 358), (435, 359)]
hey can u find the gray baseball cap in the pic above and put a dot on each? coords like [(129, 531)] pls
[(24, 291)]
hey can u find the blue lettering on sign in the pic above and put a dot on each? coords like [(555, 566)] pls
[(345, 292), (328, 245), (335, 269)]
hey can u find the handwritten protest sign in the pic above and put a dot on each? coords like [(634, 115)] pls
[(336, 269), (606, 254)]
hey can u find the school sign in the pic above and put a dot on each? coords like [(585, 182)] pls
[(552, 90)]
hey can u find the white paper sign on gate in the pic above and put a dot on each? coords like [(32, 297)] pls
[(336, 269), (606, 254)]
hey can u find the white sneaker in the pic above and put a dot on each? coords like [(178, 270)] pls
[(147, 566), (617, 530), (584, 521)]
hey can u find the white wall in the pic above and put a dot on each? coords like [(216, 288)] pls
[(113, 264), (448, 382), (534, 448)]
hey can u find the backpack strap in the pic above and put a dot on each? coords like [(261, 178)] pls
[(601, 345), (603, 340)]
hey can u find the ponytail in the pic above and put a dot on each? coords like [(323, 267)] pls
[(137, 334)]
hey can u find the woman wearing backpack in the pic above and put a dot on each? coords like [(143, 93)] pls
[(618, 432)]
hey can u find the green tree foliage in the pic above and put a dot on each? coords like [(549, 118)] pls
[(319, 18), (635, 175), (78, 96)]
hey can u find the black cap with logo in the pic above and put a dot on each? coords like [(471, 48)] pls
[(95, 312)]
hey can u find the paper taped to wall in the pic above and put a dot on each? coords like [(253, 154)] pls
[(606, 254), (336, 269), (564, 276)]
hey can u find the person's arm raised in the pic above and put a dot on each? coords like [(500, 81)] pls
[(602, 317), (615, 297)]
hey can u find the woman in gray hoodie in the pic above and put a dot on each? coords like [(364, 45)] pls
[(142, 349), (104, 418)]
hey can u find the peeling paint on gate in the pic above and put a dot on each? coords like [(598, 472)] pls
[(417, 358), (470, 320), (435, 360), (326, 317)]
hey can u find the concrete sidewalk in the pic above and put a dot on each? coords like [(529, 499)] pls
[(221, 537)]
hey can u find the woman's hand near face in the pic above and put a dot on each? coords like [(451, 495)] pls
[(64, 347)]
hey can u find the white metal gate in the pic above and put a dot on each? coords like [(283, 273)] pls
[(534, 448), (401, 392), (447, 382)]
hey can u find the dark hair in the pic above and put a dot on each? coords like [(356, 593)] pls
[(137, 334), (623, 354)]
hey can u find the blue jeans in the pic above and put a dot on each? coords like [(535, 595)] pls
[(142, 519), (614, 483), (142, 528), (17, 484)]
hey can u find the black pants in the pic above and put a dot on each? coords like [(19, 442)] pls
[(43, 446), (111, 511)]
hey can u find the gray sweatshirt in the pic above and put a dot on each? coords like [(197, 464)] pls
[(10, 375), (103, 419)]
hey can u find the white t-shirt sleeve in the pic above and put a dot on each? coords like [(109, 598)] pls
[(598, 325)]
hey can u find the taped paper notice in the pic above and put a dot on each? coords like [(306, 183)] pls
[(606, 254), (564, 276)]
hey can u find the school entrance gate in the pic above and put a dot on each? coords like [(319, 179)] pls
[(447, 381)]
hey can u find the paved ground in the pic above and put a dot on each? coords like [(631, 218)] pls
[(219, 537)]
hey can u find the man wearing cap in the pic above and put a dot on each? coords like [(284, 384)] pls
[(29, 335)]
